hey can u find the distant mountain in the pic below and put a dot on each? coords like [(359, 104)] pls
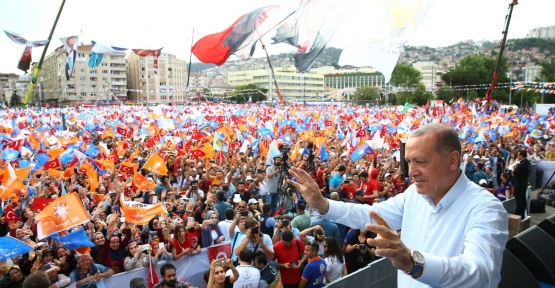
[(197, 67)]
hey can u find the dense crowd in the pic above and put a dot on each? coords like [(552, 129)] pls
[(238, 195)]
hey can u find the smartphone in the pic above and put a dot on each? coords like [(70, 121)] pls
[(160, 245), (190, 220), (244, 213), (171, 235), (122, 219), (319, 232), (221, 261), (154, 199), (146, 247)]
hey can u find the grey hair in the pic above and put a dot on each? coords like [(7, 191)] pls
[(137, 283), (334, 196), (447, 139)]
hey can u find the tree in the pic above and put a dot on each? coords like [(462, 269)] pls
[(243, 93), (417, 97), (14, 100), (405, 75), (548, 71), (446, 94), (366, 93)]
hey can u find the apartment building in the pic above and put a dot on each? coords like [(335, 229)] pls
[(7, 84), (147, 87)]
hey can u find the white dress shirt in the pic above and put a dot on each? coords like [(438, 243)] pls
[(462, 238)]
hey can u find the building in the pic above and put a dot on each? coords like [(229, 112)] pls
[(7, 84), (292, 84), (353, 78), (198, 80), (531, 73), (542, 32), (107, 82), (147, 87), (431, 74)]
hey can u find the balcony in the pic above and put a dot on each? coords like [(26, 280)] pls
[(121, 82), (117, 61), (122, 75), (118, 68)]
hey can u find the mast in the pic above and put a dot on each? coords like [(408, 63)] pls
[(273, 75)]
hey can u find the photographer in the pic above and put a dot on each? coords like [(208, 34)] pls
[(273, 174), (282, 226), (194, 192), (254, 240), (361, 254), (319, 236)]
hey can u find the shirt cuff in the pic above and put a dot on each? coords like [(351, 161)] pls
[(334, 210), (433, 270)]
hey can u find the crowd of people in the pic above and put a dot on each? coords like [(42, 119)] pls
[(242, 194)]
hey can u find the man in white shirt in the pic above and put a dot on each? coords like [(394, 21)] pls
[(249, 276), (224, 225), (453, 231)]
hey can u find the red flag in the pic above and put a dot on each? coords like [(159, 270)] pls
[(40, 203), (150, 143), (361, 133), (121, 131), (23, 125), (154, 53), (54, 164), (197, 135), (10, 215), (197, 153), (152, 276), (219, 251), (16, 144), (127, 167), (328, 123)]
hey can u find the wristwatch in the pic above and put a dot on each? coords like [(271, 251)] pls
[(418, 260)]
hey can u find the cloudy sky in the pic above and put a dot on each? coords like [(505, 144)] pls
[(169, 23)]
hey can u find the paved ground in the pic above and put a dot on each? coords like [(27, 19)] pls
[(539, 217)]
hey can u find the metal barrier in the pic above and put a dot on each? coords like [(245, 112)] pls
[(377, 274)]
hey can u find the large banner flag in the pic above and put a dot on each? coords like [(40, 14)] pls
[(240, 38), (61, 214), (74, 240), (98, 50), (156, 165), (24, 62), (40, 203), (312, 27), (71, 43), (222, 250), (391, 23), (11, 248), (153, 53), (140, 213)]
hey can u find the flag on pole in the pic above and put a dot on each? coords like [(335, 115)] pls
[(71, 43), (156, 165), (147, 52), (25, 59), (140, 213), (152, 276), (61, 214)]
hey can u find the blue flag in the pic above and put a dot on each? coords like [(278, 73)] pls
[(323, 153), (11, 248), (92, 151), (361, 151), (74, 240), (10, 154)]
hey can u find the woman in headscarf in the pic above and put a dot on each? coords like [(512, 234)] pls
[(96, 251), (67, 261), (112, 252), (211, 233), (150, 230), (135, 258), (159, 253)]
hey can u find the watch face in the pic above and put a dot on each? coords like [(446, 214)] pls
[(418, 257)]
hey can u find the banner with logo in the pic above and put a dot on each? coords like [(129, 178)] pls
[(140, 213), (61, 214), (222, 250)]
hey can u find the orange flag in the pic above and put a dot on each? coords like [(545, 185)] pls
[(139, 213), (108, 133), (61, 214), (140, 181), (56, 174), (14, 190), (295, 152), (209, 151), (91, 173), (54, 153), (22, 173), (156, 165), (106, 163)]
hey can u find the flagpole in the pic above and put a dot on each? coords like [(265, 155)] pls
[(39, 65), (190, 57)]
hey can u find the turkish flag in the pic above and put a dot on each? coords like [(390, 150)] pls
[(54, 164), (23, 125), (300, 121), (221, 118), (40, 203), (150, 143), (127, 167), (328, 123), (86, 137), (157, 138), (208, 117), (164, 155), (219, 251), (121, 131), (197, 153), (361, 133), (10, 215), (152, 276), (197, 135), (16, 144)]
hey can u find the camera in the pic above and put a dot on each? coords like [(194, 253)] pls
[(319, 232), (254, 230), (285, 222), (244, 213)]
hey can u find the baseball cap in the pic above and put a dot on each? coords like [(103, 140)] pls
[(252, 201), (476, 157), (387, 175), (301, 203), (483, 181), (249, 178)]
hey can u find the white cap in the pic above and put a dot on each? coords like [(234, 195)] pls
[(476, 157), (252, 201), (236, 198), (483, 181), (387, 175), (248, 178)]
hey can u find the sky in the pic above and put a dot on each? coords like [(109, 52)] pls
[(170, 23)]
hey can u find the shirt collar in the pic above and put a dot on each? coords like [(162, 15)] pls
[(314, 259), (451, 195)]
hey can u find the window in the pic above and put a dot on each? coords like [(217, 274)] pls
[(83, 94), (104, 79), (82, 71), (104, 64), (142, 68), (80, 62), (93, 71), (162, 61), (81, 55), (105, 86), (150, 61), (104, 71), (82, 78), (94, 95), (142, 76), (162, 83), (142, 61)]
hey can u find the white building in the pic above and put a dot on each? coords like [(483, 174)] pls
[(542, 32), (530, 73), (431, 74)]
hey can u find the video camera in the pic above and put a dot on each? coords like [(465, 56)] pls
[(285, 189)]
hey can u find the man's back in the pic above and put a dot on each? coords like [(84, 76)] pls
[(221, 206), (301, 221), (248, 276), (315, 272)]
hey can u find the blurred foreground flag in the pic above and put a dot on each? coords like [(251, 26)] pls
[(11, 248), (61, 214), (392, 23)]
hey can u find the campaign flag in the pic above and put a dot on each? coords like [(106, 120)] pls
[(52, 164), (11, 248), (92, 151), (127, 167), (392, 23), (25, 59), (40, 203), (219, 251), (140, 181), (240, 38), (209, 151), (140, 213), (71, 43), (311, 28), (153, 53), (156, 165), (98, 50), (197, 153), (323, 153), (10, 154), (361, 152), (91, 174), (74, 240), (152, 276), (61, 214), (273, 151)]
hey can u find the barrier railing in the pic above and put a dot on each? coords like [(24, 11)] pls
[(380, 273)]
